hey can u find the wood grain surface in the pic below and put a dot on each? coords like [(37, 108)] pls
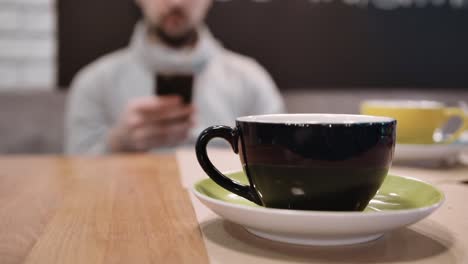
[(124, 209)]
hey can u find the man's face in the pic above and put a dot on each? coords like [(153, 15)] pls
[(174, 17)]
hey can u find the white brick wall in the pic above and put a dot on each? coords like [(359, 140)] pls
[(27, 44)]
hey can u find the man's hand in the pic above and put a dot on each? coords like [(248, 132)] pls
[(151, 122)]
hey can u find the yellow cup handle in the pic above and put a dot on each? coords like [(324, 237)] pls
[(456, 112)]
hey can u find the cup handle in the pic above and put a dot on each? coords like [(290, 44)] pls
[(456, 112), (231, 135)]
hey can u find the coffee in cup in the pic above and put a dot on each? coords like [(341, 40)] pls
[(418, 121), (328, 162)]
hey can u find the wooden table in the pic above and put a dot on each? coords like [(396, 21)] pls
[(137, 209)]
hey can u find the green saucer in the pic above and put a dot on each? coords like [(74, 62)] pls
[(396, 193)]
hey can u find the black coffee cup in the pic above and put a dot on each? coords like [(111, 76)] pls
[(327, 162)]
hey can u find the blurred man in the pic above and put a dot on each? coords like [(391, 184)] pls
[(114, 107)]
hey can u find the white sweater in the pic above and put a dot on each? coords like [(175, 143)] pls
[(226, 86)]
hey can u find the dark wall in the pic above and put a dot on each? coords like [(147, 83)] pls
[(88, 29), (301, 44)]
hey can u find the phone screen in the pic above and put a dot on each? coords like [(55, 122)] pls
[(180, 85)]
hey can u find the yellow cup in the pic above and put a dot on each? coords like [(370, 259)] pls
[(417, 121)]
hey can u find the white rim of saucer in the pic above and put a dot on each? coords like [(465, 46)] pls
[(305, 213)]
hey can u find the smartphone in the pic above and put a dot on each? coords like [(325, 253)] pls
[(181, 85)]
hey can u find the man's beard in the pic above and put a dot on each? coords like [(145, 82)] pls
[(187, 38), (178, 40)]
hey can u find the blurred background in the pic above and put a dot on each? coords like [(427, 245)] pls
[(326, 56)]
